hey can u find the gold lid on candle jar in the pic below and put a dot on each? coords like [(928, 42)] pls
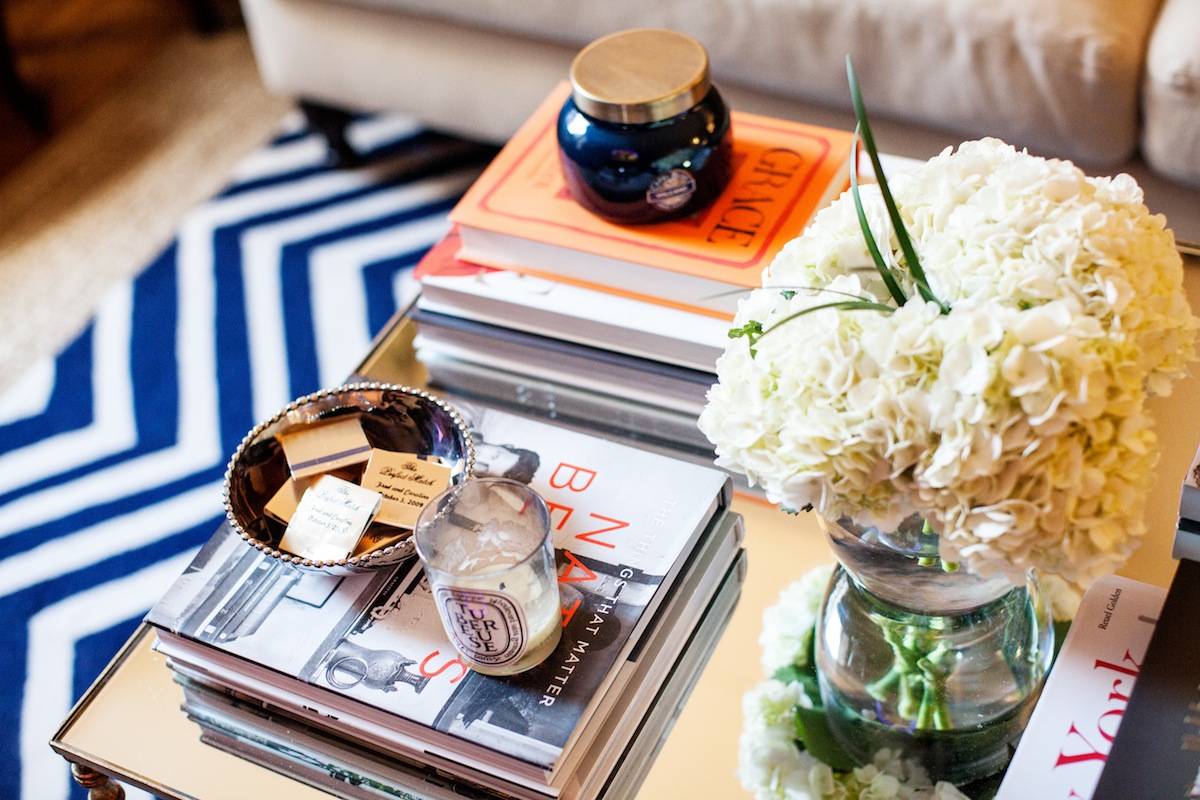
[(640, 76)]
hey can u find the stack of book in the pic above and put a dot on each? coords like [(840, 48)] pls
[(351, 685), (533, 302)]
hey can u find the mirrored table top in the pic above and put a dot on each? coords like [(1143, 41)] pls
[(129, 724)]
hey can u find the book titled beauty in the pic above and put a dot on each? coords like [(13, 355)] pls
[(371, 647), (1070, 734), (614, 765), (520, 216)]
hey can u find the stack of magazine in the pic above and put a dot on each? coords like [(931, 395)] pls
[(532, 302), (349, 683)]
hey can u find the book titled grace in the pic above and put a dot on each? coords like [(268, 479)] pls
[(520, 216)]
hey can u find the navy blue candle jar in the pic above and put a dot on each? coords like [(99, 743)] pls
[(644, 136)]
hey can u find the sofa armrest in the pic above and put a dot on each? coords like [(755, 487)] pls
[(1171, 93)]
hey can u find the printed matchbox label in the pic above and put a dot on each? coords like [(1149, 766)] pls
[(329, 520), (407, 484), (487, 627)]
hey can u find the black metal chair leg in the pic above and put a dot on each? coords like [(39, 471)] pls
[(331, 124)]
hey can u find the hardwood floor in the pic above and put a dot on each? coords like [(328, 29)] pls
[(75, 53)]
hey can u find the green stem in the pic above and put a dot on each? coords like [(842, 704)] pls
[(911, 695), (885, 272), (906, 246), (881, 688), (917, 677), (924, 719)]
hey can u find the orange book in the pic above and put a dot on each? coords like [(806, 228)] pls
[(520, 216)]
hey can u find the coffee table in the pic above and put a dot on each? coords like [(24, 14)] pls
[(129, 727)]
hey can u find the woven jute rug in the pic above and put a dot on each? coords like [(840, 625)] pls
[(106, 194)]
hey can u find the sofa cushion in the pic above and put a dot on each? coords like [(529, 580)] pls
[(1171, 93), (1060, 76)]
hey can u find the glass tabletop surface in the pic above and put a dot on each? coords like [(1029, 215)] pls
[(129, 723)]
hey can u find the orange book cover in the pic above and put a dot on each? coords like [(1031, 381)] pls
[(782, 172)]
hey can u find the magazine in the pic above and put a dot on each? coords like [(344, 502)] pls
[(1187, 539), (624, 523), (1067, 741), (1156, 751)]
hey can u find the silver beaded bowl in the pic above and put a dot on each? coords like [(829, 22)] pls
[(394, 417)]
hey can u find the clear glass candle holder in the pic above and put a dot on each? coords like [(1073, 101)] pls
[(489, 557)]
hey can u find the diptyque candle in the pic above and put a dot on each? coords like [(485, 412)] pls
[(489, 557)]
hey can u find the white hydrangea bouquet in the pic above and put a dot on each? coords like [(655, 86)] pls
[(976, 345), (952, 370)]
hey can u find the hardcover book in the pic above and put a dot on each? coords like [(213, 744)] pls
[(603, 319), (601, 371), (347, 768), (1067, 741), (1156, 751), (617, 419), (625, 522), (520, 216)]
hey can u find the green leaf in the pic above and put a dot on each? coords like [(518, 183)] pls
[(750, 329), (789, 674), (906, 245), (812, 728), (885, 272)]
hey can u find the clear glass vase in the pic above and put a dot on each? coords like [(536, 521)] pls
[(917, 656)]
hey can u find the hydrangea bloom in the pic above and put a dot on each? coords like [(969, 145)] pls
[(1017, 422), (788, 625)]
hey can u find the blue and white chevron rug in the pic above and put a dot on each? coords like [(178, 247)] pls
[(111, 454)]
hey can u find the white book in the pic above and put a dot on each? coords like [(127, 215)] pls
[(625, 523), (1067, 741), (572, 313)]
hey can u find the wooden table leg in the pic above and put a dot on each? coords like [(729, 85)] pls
[(99, 785)]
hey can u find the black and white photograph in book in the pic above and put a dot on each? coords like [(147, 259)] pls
[(621, 526), (236, 589)]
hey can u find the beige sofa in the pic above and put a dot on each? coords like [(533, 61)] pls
[(1112, 84)]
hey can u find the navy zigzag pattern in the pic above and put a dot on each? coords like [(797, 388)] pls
[(111, 454)]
